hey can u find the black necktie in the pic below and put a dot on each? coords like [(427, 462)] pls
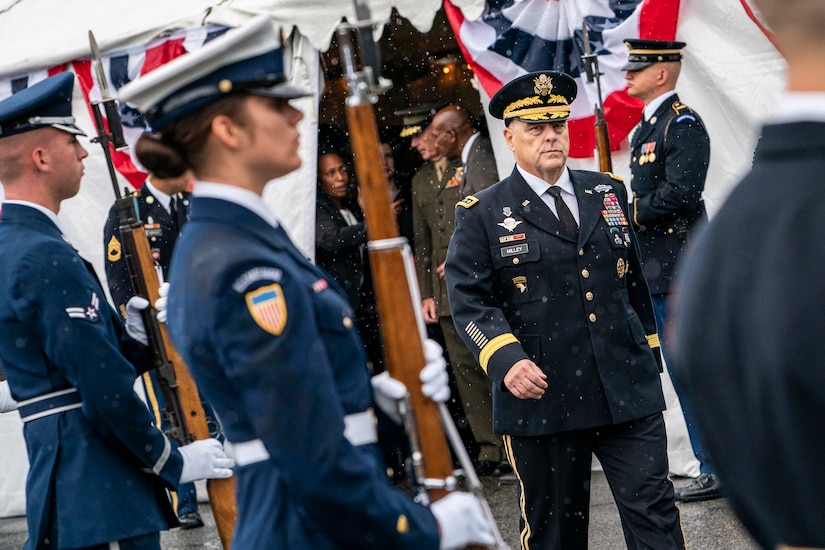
[(565, 216)]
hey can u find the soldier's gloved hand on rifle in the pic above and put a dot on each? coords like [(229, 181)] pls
[(204, 459), (134, 319), (162, 303), (388, 391), (7, 402), (462, 522)]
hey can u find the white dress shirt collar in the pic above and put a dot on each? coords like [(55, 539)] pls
[(242, 197), (651, 107)]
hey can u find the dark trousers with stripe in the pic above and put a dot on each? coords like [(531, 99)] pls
[(554, 485)]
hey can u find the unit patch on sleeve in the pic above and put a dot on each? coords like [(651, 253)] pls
[(268, 308)]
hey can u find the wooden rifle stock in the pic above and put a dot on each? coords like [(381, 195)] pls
[(185, 414), (399, 304), (590, 63), (603, 142), (399, 327), (184, 411)]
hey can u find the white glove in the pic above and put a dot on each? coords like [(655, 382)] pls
[(161, 303), (134, 319), (7, 402), (462, 522), (204, 459), (387, 392), (435, 383)]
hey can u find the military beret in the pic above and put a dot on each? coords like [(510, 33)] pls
[(644, 53), (47, 103), (539, 96), (248, 60), (417, 118)]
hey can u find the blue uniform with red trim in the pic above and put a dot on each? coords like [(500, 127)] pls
[(271, 342)]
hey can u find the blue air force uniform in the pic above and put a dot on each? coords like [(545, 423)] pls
[(287, 376), (669, 161), (63, 348)]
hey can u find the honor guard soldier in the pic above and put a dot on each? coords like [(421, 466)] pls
[(748, 333), (269, 337), (546, 289), (98, 464), (162, 204), (668, 165)]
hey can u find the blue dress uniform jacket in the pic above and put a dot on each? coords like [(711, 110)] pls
[(669, 163), (522, 287), (748, 338), (162, 230), (90, 467), (271, 343)]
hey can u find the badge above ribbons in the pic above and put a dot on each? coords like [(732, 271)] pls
[(268, 308)]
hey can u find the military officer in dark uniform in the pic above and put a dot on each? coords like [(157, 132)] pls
[(669, 162), (269, 337), (546, 289), (748, 332), (162, 206), (99, 466)]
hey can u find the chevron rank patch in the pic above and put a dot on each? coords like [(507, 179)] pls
[(268, 308), (113, 250)]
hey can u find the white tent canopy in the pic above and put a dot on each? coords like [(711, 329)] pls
[(47, 32)]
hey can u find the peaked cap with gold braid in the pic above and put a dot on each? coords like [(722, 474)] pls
[(541, 96)]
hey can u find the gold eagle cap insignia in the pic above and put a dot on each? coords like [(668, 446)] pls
[(543, 84)]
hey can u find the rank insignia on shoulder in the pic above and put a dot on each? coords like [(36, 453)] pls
[(601, 188), (90, 312), (267, 306), (467, 202), (113, 250), (614, 176)]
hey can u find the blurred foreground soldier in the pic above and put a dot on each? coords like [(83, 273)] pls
[(748, 347), (98, 464), (162, 206), (269, 338), (546, 289), (669, 163)]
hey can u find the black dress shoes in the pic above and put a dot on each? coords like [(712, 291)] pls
[(190, 520), (704, 487)]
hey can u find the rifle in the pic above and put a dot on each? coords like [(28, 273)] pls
[(184, 412), (591, 68), (391, 261)]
